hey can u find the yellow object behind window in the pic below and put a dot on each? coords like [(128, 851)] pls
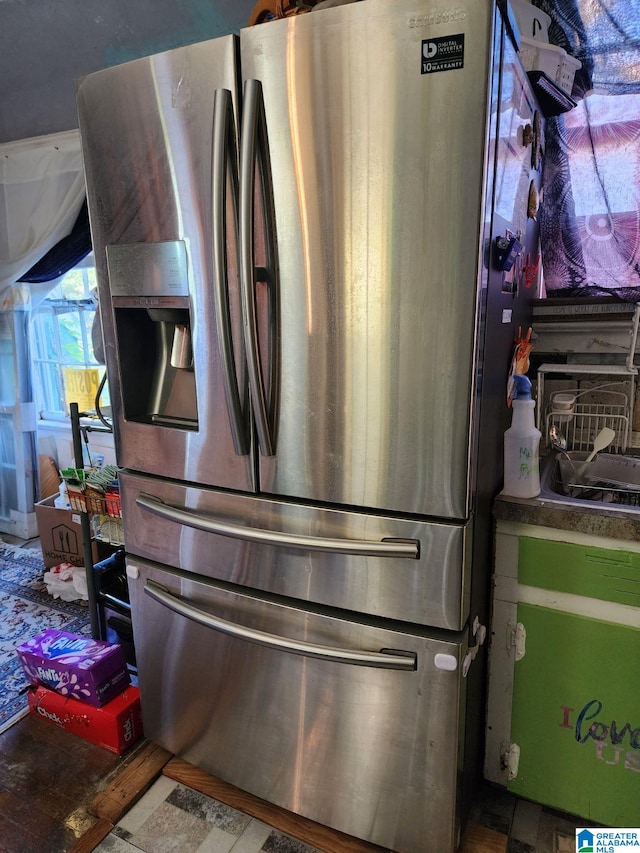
[(81, 386)]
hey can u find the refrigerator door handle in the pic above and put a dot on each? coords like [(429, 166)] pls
[(254, 123), (223, 158), (383, 659), (408, 548)]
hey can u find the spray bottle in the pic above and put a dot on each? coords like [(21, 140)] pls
[(521, 445)]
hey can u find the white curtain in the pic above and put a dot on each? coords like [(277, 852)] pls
[(41, 193)]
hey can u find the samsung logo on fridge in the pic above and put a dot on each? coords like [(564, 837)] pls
[(446, 17)]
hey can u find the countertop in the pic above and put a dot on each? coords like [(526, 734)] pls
[(608, 521), (549, 509)]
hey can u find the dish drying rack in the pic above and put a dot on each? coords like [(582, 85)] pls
[(596, 396), (608, 478)]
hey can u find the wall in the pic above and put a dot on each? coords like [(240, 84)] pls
[(47, 46)]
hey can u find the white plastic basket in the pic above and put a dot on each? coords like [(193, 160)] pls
[(532, 22), (554, 61), (567, 72)]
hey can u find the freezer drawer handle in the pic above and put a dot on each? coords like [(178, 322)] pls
[(381, 660), (409, 548)]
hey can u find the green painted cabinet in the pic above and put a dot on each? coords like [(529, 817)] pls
[(576, 716), (567, 628)]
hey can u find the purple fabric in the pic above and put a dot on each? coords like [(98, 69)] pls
[(590, 211)]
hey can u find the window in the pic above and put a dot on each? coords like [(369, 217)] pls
[(64, 367)]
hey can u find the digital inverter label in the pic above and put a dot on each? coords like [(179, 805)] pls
[(445, 53)]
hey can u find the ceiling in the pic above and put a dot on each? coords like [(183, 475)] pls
[(46, 46)]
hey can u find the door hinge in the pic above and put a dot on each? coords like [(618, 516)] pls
[(518, 639), (510, 759)]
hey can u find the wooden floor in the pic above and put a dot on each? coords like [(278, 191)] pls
[(47, 781), (45, 775), (61, 794)]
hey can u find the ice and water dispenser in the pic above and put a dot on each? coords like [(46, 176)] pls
[(152, 315)]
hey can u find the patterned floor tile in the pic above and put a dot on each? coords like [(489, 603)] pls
[(113, 844), (252, 838), (206, 808), (218, 841), (277, 842), (135, 817), (172, 817), (171, 830)]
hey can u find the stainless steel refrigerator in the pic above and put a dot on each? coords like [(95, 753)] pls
[(305, 332)]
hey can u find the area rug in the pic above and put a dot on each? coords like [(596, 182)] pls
[(26, 608)]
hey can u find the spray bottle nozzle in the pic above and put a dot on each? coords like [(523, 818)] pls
[(522, 387)]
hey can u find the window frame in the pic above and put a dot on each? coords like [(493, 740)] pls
[(48, 354)]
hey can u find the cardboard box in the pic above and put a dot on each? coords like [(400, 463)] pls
[(72, 665), (115, 726), (60, 532)]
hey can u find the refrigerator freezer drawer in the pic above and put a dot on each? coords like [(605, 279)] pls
[(414, 571), (288, 714)]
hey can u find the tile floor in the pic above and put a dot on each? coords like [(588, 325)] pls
[(531, 828), (171, 817)]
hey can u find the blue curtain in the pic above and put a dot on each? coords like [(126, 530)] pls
[(590, 212), (65, 254)]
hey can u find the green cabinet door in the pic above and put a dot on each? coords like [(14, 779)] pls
[(576, 716)]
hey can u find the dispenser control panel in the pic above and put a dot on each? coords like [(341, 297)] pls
[(148, 269)]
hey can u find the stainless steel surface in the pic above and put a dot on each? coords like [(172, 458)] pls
[(252, 125), (378, 247), (146, 130), (183, 607), (148, 269), (385, 548), (430, 590), (224, 173), (371, 752), (181, 351)]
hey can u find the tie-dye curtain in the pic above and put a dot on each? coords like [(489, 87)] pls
[(590, 212)]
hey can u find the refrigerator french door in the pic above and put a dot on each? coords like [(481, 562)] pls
[(169, 306)]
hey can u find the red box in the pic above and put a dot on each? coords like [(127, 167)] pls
[(115, 726)]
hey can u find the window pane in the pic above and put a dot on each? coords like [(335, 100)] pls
[(61, 337), (8, 487)]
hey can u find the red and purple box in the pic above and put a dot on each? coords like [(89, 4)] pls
[(89, 670), (116, 726)]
